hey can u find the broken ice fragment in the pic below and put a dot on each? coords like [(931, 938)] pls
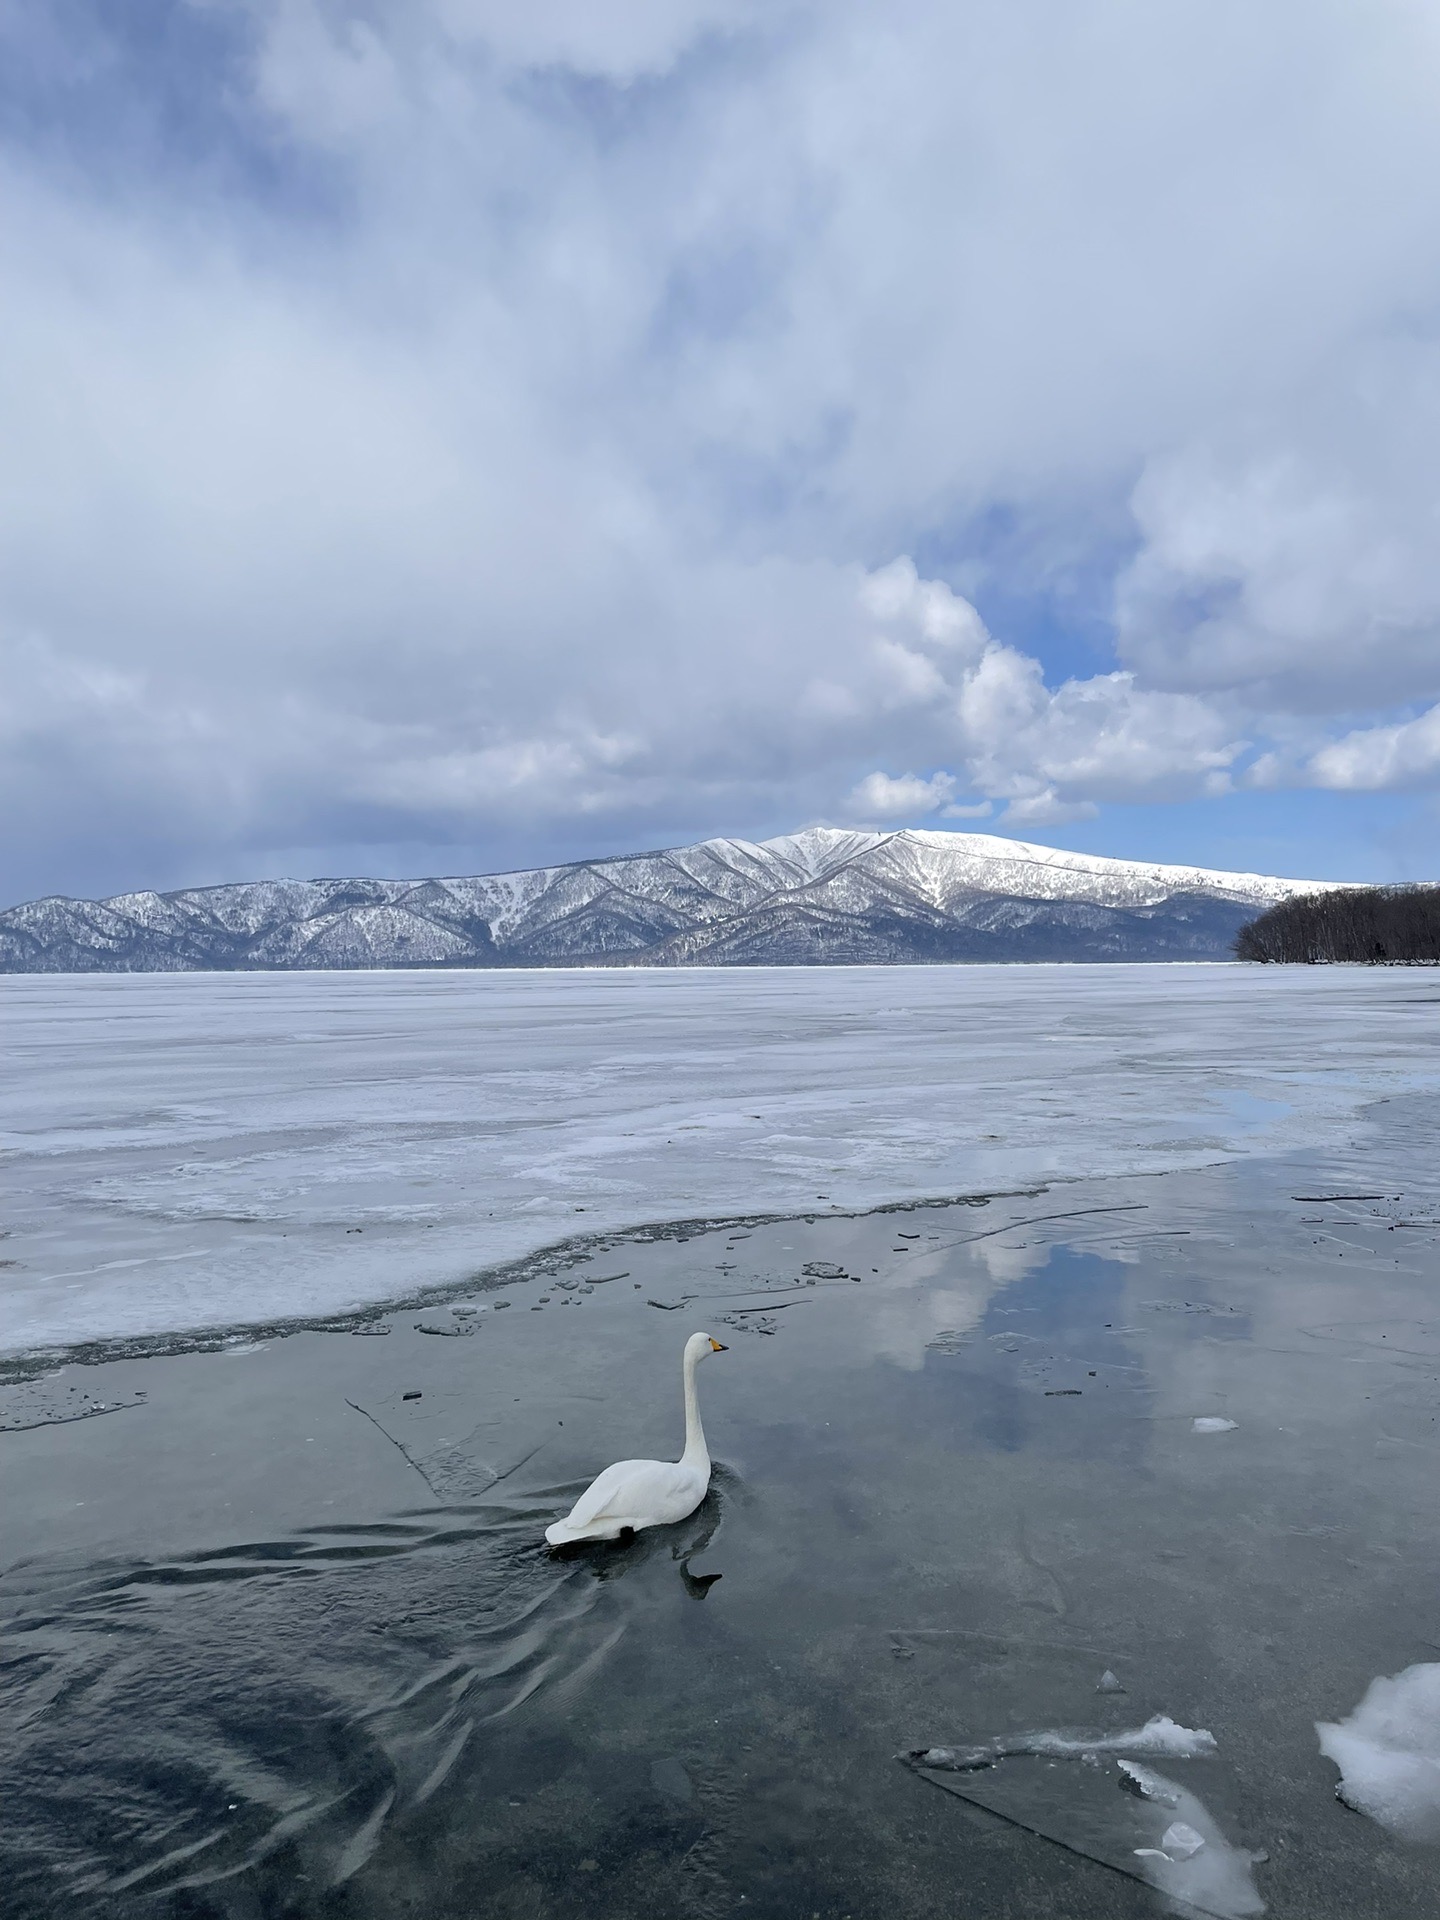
[(1159, 1735), (950, 1759), (1107, 1683), (1145, 1785), (1180, 1841), (1212, 1423)]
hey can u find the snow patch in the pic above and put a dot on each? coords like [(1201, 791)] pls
[(1388, 1753)]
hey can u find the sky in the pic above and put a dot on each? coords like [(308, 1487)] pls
[(447, 435)]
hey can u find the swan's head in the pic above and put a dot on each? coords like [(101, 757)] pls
[(700, 1347)]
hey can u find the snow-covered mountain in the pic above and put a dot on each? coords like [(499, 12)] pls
[(823, 896)]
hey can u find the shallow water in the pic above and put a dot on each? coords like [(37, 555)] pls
[(279, 1640)]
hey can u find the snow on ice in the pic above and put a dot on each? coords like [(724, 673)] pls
[(204, 1150), (1388, 1753)]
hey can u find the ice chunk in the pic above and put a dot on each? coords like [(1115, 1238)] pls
[(1212, 1423), (1388, 1753), (1159, 1735), (1107, 1683), (1145, 1785), (949, 1759), (1180, 1841)]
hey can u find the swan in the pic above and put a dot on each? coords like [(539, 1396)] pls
[(646, 1493)]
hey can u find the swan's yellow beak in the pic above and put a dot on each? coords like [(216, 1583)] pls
[(715, 1347)]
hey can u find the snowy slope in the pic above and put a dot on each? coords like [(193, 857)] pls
[(822, 896)]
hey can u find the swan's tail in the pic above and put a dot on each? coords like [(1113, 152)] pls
[(563, 1534)]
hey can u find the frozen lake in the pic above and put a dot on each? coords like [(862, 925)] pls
[(1030, 1478), (195, 1151), (1025, 1477)]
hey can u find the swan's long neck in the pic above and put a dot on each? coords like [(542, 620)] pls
[(696, 1453)]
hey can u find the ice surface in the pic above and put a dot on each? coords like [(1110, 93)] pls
[(207, 1150), (1388, 1753)]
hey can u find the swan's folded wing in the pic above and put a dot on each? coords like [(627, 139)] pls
[(631, 1489)]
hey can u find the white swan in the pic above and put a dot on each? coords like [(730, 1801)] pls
[(646, 1493)]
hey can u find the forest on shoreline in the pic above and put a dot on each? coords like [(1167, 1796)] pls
[(1372, 926)]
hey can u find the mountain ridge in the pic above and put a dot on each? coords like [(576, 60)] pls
[(828, 896)]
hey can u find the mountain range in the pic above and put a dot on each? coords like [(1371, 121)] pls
[(820, 897)]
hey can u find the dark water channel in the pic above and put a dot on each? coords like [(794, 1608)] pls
[(281, 1640)]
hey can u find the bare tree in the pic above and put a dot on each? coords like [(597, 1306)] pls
[(1377, 926)]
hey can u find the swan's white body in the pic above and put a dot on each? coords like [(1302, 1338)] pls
[(646, 1493)]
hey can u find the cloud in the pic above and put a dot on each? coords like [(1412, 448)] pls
[(1102, 738), (1050, 753), (447, 425), (1373, 759), (879, 797), (1045, 808), (1293, 558), (640, 39), (896, 596)]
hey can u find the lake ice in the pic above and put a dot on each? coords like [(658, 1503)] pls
[(1124, 1488), (192, 1151)]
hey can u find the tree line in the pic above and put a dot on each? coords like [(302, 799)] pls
[(1379, 926)]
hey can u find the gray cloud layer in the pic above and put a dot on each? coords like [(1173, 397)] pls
[(457, 423)]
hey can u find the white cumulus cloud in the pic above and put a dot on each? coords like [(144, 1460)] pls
[(880, 797), (1375, 758)]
